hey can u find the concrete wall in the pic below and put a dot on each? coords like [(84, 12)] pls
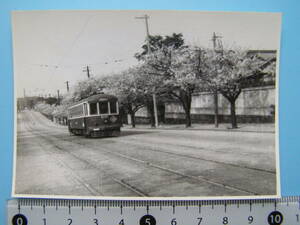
[(254, 105), (142, 112)]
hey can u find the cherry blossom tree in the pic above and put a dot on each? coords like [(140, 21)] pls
[(232, 70), (86, 88), (127, 87), (180, 70)]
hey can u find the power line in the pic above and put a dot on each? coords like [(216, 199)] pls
[(71, 46), (76, 38), (104, 62)]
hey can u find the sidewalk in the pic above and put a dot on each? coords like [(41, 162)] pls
[(242, 127)]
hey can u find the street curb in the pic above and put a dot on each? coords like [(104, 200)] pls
[(200, 129)]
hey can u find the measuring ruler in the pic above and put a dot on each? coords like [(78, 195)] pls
[(177, 212)]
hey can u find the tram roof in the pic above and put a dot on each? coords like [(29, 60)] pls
[(96, 98)]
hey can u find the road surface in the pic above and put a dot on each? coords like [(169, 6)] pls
[(141, 162)]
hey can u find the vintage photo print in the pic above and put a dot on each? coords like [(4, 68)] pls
[(146, 104)]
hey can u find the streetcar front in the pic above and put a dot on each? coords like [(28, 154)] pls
[(103, 117), (95, 116)]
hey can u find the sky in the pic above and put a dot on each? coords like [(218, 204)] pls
[(52, 47)]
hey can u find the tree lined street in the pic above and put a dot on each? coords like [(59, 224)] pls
[(205, 69), (170, 71), (142, 162)]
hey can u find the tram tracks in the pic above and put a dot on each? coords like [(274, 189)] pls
[(76, 176), (151, 148), (56, 141), (156, 166), (195, 178)]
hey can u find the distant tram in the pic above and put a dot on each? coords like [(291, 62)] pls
[(95, 116)]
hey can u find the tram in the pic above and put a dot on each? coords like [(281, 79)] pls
[(95, 116)]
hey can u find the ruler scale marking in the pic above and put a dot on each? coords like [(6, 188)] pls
[(179, 212)]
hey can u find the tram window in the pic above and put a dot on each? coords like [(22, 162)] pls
[(93, 109), (70, 113), (113, 107), (76, 111), (103, 106)]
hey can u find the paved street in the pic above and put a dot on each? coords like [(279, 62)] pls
[(142, 162)]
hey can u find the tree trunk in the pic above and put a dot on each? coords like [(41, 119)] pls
[(161, 114), (151, 112), (232, 114), (232, 97), (132, 115), (216, 106), (188, 121), (152, 118), (187, 110)]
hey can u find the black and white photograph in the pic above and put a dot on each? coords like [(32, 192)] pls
[(141, 104)]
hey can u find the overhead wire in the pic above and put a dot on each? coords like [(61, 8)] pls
[(78, 35)]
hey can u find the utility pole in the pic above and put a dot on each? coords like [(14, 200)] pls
[(67, 83), (25, 99), (217, 45), (87, 70), (146, 17), (58, 100), (216, 103)]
